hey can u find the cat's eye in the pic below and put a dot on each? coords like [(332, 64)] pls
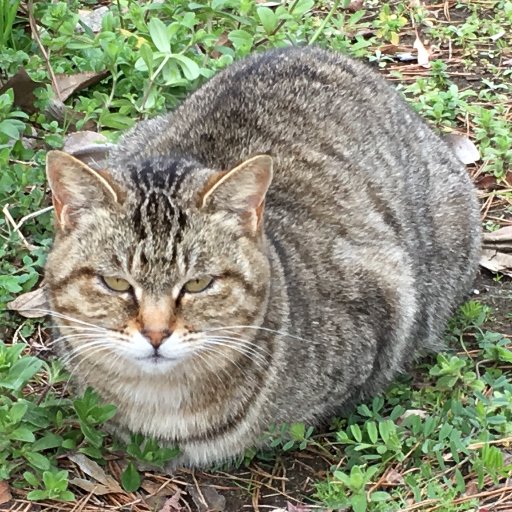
[(198, 285), (116, 284)]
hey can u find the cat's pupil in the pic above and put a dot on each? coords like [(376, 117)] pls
[(198, 285), (116, 284)]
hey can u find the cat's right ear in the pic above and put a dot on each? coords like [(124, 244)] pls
[(76, 187), (242, 191)]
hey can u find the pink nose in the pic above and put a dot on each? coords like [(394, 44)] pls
[(156, 337)]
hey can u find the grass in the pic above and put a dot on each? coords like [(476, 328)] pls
[(438, 440)]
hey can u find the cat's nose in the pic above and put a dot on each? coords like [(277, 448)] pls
[(156, 337)]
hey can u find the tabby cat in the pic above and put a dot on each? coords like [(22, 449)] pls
[(276, 249)]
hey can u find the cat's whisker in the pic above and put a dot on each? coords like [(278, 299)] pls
[(83, 349), (221, 357), (81, 336), (256, 327), (250, 343), (213, 347), (211, 370), (57, 327), (107, 336), (74, 369), (239, 346), (56, 314)]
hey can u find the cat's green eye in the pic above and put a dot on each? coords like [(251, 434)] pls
[(116, 283), (198, 285)]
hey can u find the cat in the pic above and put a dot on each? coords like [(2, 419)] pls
[(275, 250)]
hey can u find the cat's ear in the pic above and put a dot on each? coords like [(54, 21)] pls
[(242, 190), (76, 187)]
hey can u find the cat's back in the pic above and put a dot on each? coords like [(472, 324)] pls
[(274, 101), (339, 135)]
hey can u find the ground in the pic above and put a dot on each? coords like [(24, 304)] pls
[(438, 439)]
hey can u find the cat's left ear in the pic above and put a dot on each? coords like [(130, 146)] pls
[(76, 188), (242, 191)]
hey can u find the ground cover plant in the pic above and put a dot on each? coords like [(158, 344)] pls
[(438, 440)]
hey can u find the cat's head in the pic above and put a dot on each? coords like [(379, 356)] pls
[(158, 266)]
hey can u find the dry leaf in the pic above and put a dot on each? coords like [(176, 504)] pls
[(69, 84), (404, 56), (497, 36), (77, 141), (496, 261), (297, 508), (355, 5), (91, 468), (207, 499), (90, 147), (497, 251), (487, 182), (412, 412), (23, 87), (173, 503), (465, 150), (92, 19), (394, 477), (498, 239), (30, 304), (92, 487), (423, 53), (5, 492)]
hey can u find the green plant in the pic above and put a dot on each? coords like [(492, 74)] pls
[(351, 489), (8, 10), (55, 485)]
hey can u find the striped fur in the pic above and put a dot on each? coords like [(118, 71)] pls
[(370, 238)]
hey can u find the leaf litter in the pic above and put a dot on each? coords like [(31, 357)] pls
[(94, 470), (497, 251)]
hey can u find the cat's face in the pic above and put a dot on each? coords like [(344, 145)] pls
[(141, 280)]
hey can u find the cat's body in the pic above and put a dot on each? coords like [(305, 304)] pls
[(368, 240)]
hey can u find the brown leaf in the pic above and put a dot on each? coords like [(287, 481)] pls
[(90, 147), (207, 499), (394, 477), (30, 304), (465, 150), (497, 251), (500, 239), (355, 5), (91, 468), (5, 492), (69, 84), (297, 508), (23, 87), (77, 141), (487, 182), (92, 487), (173, 503), (496, 261), (423, 53)]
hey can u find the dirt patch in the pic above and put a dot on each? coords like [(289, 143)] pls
[(496, 293)]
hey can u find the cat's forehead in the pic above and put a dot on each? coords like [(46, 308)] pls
[(173, 176)]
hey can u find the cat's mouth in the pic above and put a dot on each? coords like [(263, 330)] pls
[(157, 359)]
